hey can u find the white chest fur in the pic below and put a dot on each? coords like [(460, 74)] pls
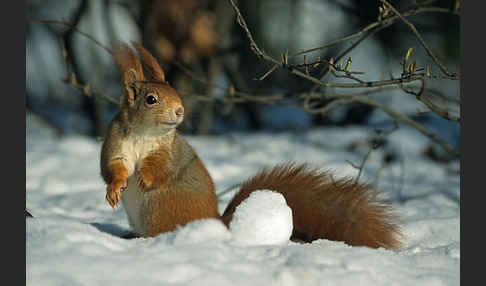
[(134, 151), (134, 204)]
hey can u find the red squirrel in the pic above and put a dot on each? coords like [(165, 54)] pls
[(163, 184)]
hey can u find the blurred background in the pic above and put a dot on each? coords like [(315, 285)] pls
[(197, 39)]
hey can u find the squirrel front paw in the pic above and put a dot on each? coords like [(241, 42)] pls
[(113, 192), (145, 180), (151, 174)]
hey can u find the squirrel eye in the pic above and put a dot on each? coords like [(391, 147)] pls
[(151, 99)]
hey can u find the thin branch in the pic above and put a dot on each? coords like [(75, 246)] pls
[(72, 78), (368, 101), (373, 145), (254, 47), (86, 90), (242, 96), (261, 54), (235, 96), (347, 51), (379, 24), (67, 24), (241, 21), (444, 113), (380, 132), (361, 166), (394, 114), (330, 95), (405, 119), (421, 40)]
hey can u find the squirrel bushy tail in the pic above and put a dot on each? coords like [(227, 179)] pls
[(325, 207)]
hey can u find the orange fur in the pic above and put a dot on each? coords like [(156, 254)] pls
[(176, 207), (153, 172), (322, 207), (154, 71), (113, 171), (126, 59), (186, 194), (116, 176)]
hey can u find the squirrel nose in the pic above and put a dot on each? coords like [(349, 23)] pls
[(179, 112)]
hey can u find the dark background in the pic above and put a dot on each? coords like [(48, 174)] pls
[(204, 37)]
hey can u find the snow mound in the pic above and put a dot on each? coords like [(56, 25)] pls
[(200, 231), (264, 218)]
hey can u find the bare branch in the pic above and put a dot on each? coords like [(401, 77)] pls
[(405, 119), (373, 145), (383, 23), (71, 78), (238, 96), (432, 106), (421, 40), (398, 116), (254, 47), (361, 166), (67, 24)]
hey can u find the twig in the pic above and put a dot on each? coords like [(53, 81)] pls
[(383, 161), (421, 40), (274, 67), (405, 119), (368, 101), (72, 78), (378, 25), (380, 132), (373, 146), (254, 47), (347, 51), (396, 115), (67, 24), (235, 96), (295, 71), (241, 21), (361, 166), (432, 106), (439, 111), (241, 96), (339, 99), (86, 90)]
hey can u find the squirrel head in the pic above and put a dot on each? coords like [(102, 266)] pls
[(149, 103)]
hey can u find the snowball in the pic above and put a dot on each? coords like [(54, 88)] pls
[(202, 230), (261, 219)]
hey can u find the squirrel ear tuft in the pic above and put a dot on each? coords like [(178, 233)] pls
[(128, 63), (130, 78), (154, 71)]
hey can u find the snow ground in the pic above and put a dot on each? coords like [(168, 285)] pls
[(74, 237)]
